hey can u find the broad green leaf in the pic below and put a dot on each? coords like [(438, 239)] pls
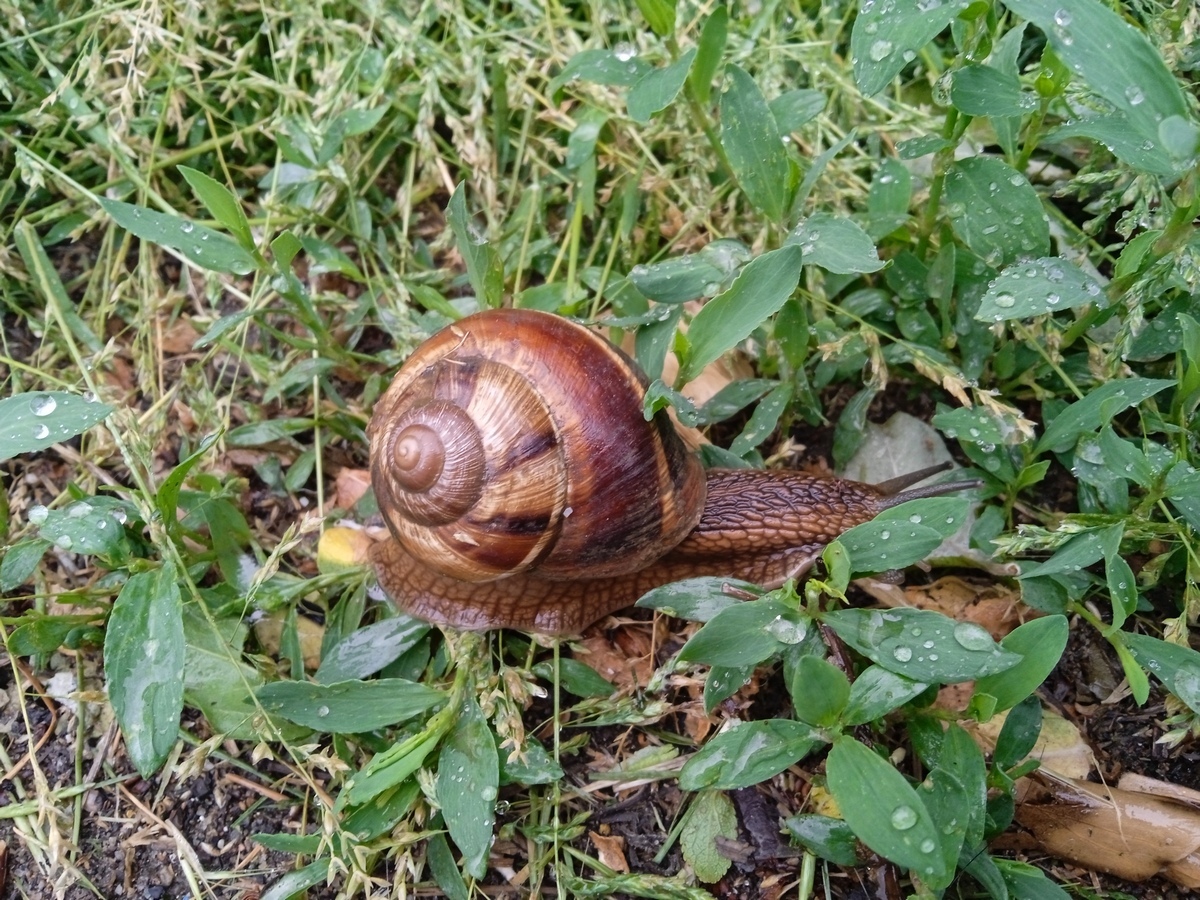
[(887, 36), (753, 145), (974, 426), (1037, 287), (370, 648), (732, 399), (828, 838), (575, 678), (660, 15), (709, 50), (876, 692), (198, 244), (819, 691), (255, 434), (884, 810), (348, 707), (835, 244), (697, 599), (723, 682), (792, 109), (144, 664), (223, 204), (93, 525), (760, 289), (984, 91), (45, 633), (710, 816), (581, 144), (39, 419), (920, 644), (1097, 409), (388, 769), (618, 66), (1163, 334), (1175, 666), (1124, 141), (444, 869), (325, 257), (746, 633), (1122, 589), (1026, 882), (747, 753), (1079, 552), (684, 278), (949, 806), (1040, 642), (467, 782), (484, 268), (1113, 58), (905, 534), (764, 420), (1019, 734), (19, 563), (658, 88), (995, 211)]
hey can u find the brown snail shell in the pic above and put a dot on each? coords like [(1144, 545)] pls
[(524, 487)]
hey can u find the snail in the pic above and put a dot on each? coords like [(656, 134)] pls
[(524, 488)]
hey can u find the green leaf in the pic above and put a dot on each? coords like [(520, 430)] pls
[(658, 88), (763, 286), (710, 816), (1175, 666), (753, 144), (819, 691), (39, 419), (1040, 642), (747, 753), (198, 244), (887, 36), (144, 664), (828, 838), (218, 682), (467, 781), (1026, 882), (746, 633), (709, 50), (600, 66), (575, 678), (764, 420), (1115, 59), (348, 707), (484, 268), (995, 211), (1115, 133), (660, 15), (835, 244), (39, 633), (974, 426), (293, 883), (443, 868), (905, 534), (920, 644), (1122, 589), (732, 399), (984, 91), (370, 648), (19, 562), (1019, 733), (167, 497), (223, 204), (884, 810), (793, 109), (697, 599), (92, 525), (876, 692), (1097, 409), (1038, 287), (684, 278)]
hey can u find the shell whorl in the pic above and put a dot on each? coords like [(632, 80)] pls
[(514, 440)]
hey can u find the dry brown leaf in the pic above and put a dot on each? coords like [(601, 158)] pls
[(1129, 834), (349, 487), (611, 850), (269, 629), (621, 655), (178, 337)]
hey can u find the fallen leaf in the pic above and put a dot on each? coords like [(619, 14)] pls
[(341, 548), (349, 486), (994, 606), (269, 630), (1060, 746), (611, 850)]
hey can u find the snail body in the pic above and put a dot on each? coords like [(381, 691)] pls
[(524, 488)]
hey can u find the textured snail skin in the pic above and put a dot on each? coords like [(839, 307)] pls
[(566, 504)]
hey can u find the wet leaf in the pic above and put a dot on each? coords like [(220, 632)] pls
[(196, 243), (995, 211), (467, 780), (747, 753), (1038, 287), (710, 816), (753, 144), (39, 419), (348, 707), (887, 36)]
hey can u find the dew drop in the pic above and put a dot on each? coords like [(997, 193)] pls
[(880, 50), (42, 404), (41, 433), (1006, 301), (322, 711), (79, 509), (624, 51), (64, 542), (1135, 95), (187, 227), (904, 818), (37, 514), (928, 846), (972, 637), (488, 793), (902, 654)]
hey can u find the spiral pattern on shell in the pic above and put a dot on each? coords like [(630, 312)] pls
[(514, 440)]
